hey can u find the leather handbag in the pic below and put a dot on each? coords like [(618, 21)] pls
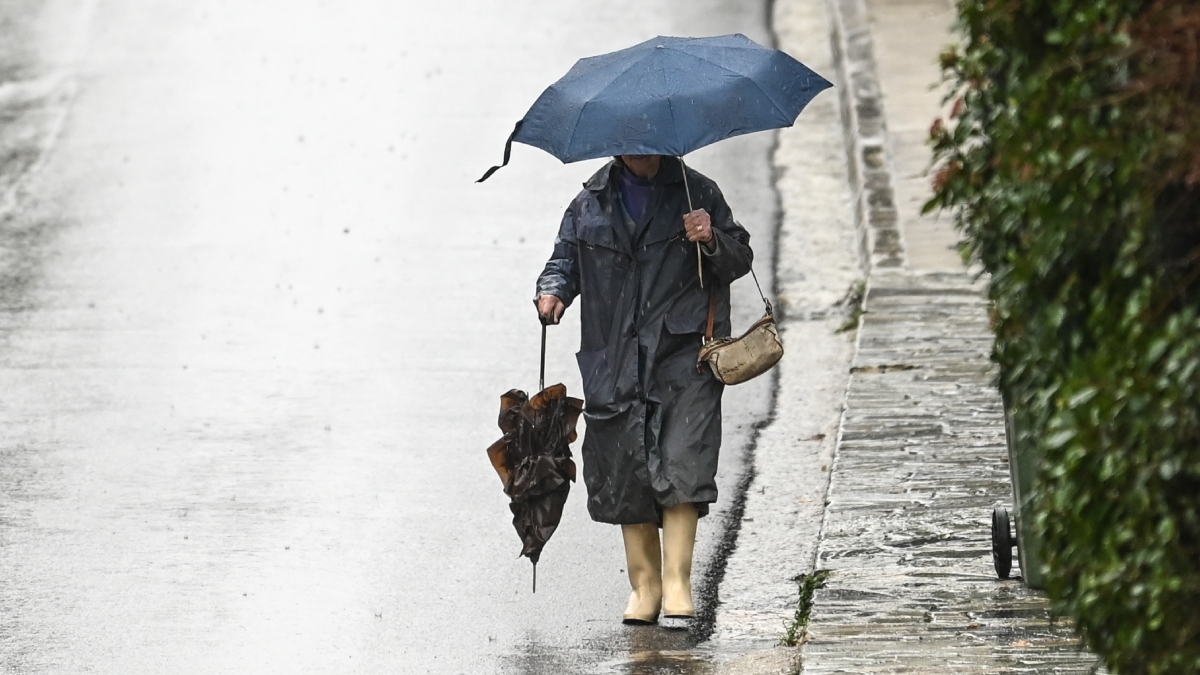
[(734, 360)]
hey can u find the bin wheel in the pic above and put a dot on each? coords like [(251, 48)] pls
[(1002, 542)]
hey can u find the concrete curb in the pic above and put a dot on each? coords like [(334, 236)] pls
[(864, 124)]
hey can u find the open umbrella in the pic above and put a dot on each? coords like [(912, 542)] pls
[(666, 96), (533, 459)]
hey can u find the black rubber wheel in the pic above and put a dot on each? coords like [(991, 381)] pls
[(1002, 542)]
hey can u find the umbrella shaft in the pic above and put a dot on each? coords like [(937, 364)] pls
[(542, 371), (688, 190)]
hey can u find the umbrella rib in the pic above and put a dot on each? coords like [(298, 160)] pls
[(575, 127), (730, 70), (674, 125), (786, 115)]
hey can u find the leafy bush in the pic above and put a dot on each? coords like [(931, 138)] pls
[(1072, 164)]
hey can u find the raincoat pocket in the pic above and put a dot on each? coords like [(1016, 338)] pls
[(688, 314), (684, 322), (599, 384)]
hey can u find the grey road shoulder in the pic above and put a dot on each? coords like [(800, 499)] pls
[(817, 263)]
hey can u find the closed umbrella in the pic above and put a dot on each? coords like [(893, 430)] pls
[(533, 459)]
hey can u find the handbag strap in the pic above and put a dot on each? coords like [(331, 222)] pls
[(712, 313), (770, 310), (712, 306)]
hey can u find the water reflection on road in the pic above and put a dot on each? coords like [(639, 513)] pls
[(643, 650)]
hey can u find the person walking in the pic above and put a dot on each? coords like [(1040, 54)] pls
[(626, 248)]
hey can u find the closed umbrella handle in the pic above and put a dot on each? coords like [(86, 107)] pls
[(542, 374)]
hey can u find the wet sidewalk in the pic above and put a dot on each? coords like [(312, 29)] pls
[(920, 463), (921, 459)]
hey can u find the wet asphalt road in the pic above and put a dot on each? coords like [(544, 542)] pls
[(255, 319)]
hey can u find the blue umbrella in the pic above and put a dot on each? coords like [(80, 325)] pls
[(666, 96)]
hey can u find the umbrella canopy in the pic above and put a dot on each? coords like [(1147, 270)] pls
[(667, 96), (533, 460)]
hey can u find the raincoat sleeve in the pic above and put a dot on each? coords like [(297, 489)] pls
[(730, 256), (560, 277)]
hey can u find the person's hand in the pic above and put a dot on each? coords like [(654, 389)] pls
[(550, 308), (698, 226)]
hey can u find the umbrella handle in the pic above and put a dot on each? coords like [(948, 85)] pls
[(542, 380), (688, 190)]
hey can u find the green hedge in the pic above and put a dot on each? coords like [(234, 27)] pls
[(1070, 163)]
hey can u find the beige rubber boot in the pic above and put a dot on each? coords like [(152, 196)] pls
[(643, 558), (679, 539)]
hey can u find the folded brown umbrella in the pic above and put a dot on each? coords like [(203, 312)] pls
[(533, 459)]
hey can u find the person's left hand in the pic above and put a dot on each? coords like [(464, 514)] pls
[(698, 226)]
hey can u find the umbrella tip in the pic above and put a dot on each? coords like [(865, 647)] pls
[(535, 577)]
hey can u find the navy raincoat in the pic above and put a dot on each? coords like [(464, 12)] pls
[(653, 419)]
